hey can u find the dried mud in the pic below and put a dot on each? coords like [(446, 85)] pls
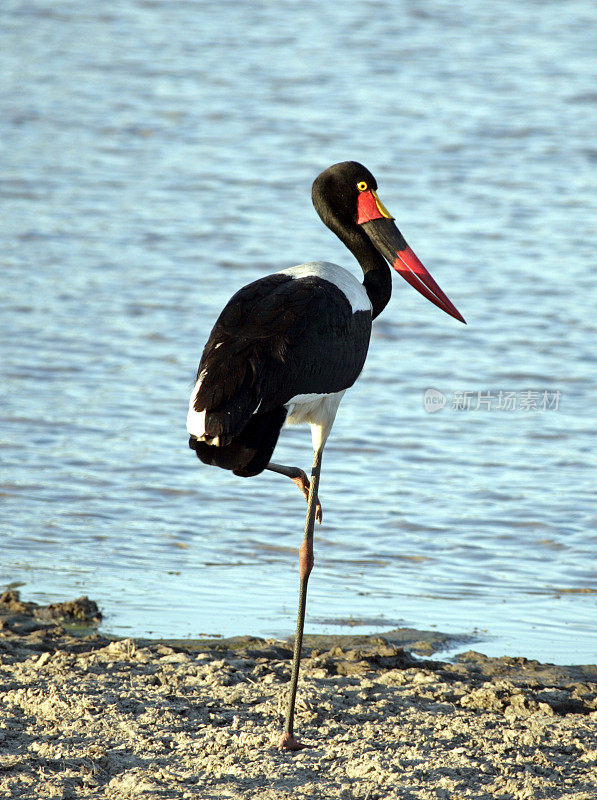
[(83, 716)]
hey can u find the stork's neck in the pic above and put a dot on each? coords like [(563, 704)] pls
[(378, 278), (378, 285)]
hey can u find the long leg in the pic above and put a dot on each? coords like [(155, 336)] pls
[(299, 477), (287, 740)]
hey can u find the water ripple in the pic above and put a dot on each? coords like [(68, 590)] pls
[(143, 193)]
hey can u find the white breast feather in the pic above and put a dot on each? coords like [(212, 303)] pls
[(319, 410)]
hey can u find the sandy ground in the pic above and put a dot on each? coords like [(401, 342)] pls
[(86, 717)]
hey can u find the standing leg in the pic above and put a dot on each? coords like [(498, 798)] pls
[(287, 740)]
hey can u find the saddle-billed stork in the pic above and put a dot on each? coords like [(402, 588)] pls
[(287, 346)]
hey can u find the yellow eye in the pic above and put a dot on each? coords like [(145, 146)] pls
[(361, 186)]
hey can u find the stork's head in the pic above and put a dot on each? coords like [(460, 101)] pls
[(345, 197)]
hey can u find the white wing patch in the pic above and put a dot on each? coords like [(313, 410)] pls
[(349, 285), (196, 419)]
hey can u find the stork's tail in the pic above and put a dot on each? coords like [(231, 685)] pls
[(249, 452)]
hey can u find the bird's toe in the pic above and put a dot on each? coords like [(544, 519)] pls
[(318, 512), (288, 741)]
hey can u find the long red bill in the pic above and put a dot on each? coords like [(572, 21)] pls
[(408, 265), (381, 229)]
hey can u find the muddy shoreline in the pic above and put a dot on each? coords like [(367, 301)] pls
[(85, 716)]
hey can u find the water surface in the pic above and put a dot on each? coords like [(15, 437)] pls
[(158, 156)]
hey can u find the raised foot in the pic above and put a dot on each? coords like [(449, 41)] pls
[(288, 741), (304, 484)]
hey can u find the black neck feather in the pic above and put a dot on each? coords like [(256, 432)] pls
[(378, 278)]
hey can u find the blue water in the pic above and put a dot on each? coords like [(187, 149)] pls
[(155, 157)]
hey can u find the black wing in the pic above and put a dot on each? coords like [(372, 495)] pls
[(276, 338)]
